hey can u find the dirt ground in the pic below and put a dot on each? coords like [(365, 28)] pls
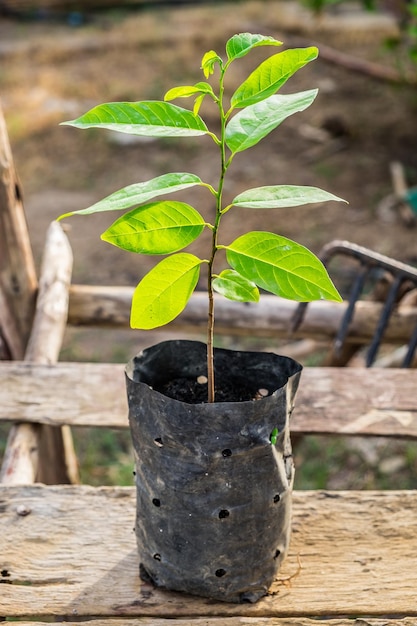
[(51, 71)]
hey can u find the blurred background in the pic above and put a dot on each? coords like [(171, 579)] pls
[(58, 59)]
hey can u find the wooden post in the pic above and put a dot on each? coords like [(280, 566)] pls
[(109, 307), (57, 459), (18, 283), (34, 452)]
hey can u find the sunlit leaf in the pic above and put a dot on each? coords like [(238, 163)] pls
[(181, 92), (209, 61), (197, 103), (280, 196), (188, 90), (252, 124), (239, 45), (164, 292), (233, 286), (136, 194), (281, 266), (156, 228), (151, 118), (270, 75)]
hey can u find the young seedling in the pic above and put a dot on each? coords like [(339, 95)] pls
[(256, 260)]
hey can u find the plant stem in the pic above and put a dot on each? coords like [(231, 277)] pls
[(219, 195), (210, 349)]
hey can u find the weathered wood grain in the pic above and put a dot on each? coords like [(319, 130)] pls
[(237, 621), (70, 551), (18, 282), (87, 5), (346, 401), (50, 320), (272, 316), (34, 451)]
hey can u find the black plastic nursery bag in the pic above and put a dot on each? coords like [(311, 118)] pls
[(213, 480)]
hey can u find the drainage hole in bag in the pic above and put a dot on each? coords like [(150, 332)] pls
[(156, 502), (223, 514), (277, 553), (220, 572), (226, 453), (277, 498)]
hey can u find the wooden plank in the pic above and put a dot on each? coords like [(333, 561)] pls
[(271, 317), (15, 6), (345, 401), (357, 401), (45, 453), (51, 314), (11, 343), (33, 451), (237, 621), (18, 282), (70, 551)]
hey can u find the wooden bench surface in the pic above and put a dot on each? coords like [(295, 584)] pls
[(70, 551), (346, 401)]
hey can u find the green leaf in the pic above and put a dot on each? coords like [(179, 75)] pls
[(197, 103), (239, 45), (280, 196), (156, 228), (164, 292), (186, 91), (270, 75), (252, 124), (140, 192), (233, 286), (281, 266), (150, 118), (208, 62)]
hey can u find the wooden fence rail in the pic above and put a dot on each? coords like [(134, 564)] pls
[(374, 401), (272, 316)]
